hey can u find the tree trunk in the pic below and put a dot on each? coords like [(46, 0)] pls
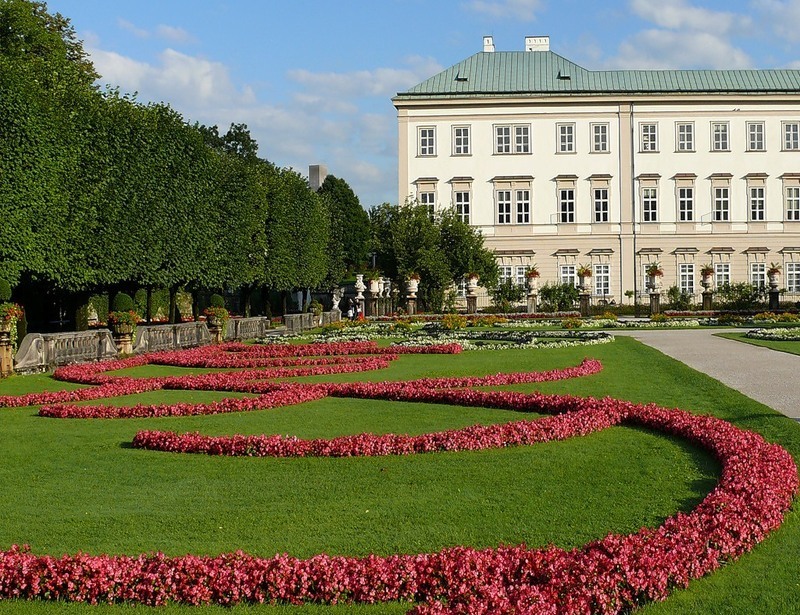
[(173, 292), (149, 305)]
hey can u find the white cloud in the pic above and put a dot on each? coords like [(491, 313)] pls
[(664, 49), (781, 17), (686, 36), (679, 14), (524, 10), (162, 31), (180, 79)]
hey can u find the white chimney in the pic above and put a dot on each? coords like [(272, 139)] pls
[(537, 43), (316, 176), (488, 44)]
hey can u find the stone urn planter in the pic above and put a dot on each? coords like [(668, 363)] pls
[(412, 286), (375, 286), (359, 285), (121, 328), (533, 283), (472, 284)]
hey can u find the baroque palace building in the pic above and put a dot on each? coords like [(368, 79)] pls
[(562, 166)]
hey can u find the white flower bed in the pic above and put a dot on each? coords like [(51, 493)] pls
[(782, 334)]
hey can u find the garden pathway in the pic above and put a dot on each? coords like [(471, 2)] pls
[(768, 376)]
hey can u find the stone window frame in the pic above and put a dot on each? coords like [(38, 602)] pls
[(792, 276), (601, 207), (722, 274), (791, 196), (462, 186), (601, 275), (426, 143), (686, 278), (790, 131), (515, 186), (462, 143), (565, 138), (720, 182), (720, 139), (648, 137), (685, 182), (564, 184), (599, 134), (754, 137), (427, 193), (649, 197), (756, 182), (510, 144), (684, 139)]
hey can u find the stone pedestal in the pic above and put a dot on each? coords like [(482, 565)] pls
[(124, 343), (6, 356), (655, 303), (372, 304), (216, 334), (707, 297), (774, 299), (472, 304), (584, 304), (532, 301), (411, 305)]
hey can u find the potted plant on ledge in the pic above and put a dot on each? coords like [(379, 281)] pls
[(773, 271), (532, 276), (707, 273), (654, 271), (216, 316), (584, 271)]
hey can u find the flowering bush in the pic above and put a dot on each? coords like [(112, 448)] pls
[(452, 322)]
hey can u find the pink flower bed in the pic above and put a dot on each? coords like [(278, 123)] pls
[(611, 575)]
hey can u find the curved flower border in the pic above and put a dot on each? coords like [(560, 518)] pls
[(610, 575)]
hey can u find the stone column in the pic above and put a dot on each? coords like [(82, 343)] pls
[(585, 300), (472, 294), (412, 285), (655, 303), (533, 294), (6, 355), (774, 299), (123, 342), (372, 304), (707, 300)]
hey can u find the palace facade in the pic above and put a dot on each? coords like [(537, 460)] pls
[(561, 166)]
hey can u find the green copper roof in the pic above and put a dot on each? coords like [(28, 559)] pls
[(545, 72)]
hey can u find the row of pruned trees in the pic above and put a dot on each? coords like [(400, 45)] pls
[(99, 192)]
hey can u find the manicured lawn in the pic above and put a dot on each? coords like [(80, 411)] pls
[(791, 347), (70, 485)]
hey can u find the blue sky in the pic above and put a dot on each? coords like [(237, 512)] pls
[(313, 80)]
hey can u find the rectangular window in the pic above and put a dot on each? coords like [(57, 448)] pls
[(520, 275), (502, 139), (685, 137), (719, 137), (649, 204), (755, 136), (686, 278), (793, 203), (793, 277), (427, 141), (601, 204), (599, 138), (566, 138), (722, 274), (791, 136), (686, 204), (523, 206), (566, 205), (503, 206), (567, 275), (521, 143), (462, 200), (758, 274), (722, 204), (506, 273), (756, 203), (648, 137), (461, 141), (602, 280), (429, 200), (522, 139)]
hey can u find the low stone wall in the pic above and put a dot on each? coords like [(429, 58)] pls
[(40, 352), (297, 323)]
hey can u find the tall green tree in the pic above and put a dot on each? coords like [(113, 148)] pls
[(350, 226)]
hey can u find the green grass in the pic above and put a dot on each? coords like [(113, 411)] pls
[(792, 347), (69, 485)]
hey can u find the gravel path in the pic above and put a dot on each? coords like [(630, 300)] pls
[(768, 376)]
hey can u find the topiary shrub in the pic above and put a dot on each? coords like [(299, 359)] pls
[(5, 290), (217, 301), (122, 303)]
